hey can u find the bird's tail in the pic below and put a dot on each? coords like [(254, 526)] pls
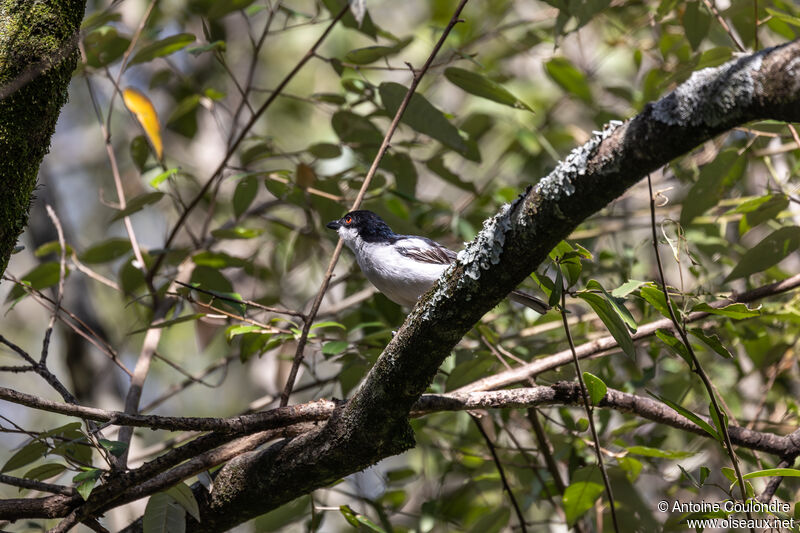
[(529, 300)]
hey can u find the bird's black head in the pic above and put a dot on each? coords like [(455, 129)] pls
[(364, 224)]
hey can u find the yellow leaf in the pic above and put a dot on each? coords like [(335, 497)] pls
[(142, 108)]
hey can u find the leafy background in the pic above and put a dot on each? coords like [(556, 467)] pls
[(517, 86)]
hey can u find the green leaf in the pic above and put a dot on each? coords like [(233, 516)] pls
[(696, 22), (582, 493), (234, 331), (52, 247), (655, 452), (611, 320), (138, 203), (718, 424), (220, 9), (334, 347), (114, 447), (41, 277), (103, 46), (712, 342), (773, 472), (27, 454), (218, 260), (569, 259), (163, 515), (140, 150), (367, 27), (163, 176), (480, 85), (595, 387), (244, 194), (729, 473), (422, 116), (86, 481), (238, 232), (182, 494), (702, 424), (358, 520), (770, 251), (626, 288), (45, 471), (106, 251), (618, 304), (325, 150), (676, 345), (759, 210), (436, 164), (370, 54), (655, 297), (164, 47), (327, 324), (715, 178), (352, 128), (734, 311), (210, 47), (568, 77)]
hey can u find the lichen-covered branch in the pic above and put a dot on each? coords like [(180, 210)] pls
[(38, 53)]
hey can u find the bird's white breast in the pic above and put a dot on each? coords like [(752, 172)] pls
[(402, 279)]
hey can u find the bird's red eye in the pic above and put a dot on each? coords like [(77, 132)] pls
[(348, 220)]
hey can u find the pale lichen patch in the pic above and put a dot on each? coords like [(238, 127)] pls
[(710, 95), (561, 181)]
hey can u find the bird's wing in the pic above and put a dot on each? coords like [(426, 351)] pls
[(425, 251)]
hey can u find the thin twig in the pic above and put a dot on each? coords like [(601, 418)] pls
[(587, 405), (501, 471), (33, 484), (417, 77), (698, 369), (62, 273)]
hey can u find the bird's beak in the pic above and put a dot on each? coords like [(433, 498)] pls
[(335, 224)]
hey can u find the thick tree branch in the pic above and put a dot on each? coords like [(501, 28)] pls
[(37, 57)]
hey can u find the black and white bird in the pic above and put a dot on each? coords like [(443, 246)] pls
[(403, 267)]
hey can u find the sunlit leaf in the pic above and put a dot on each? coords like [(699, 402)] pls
[(582, 493), (142, 108), (595, 387)]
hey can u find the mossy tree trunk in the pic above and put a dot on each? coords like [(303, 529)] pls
[(38, 53)]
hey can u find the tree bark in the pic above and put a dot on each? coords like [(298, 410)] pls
[(38, 53)]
